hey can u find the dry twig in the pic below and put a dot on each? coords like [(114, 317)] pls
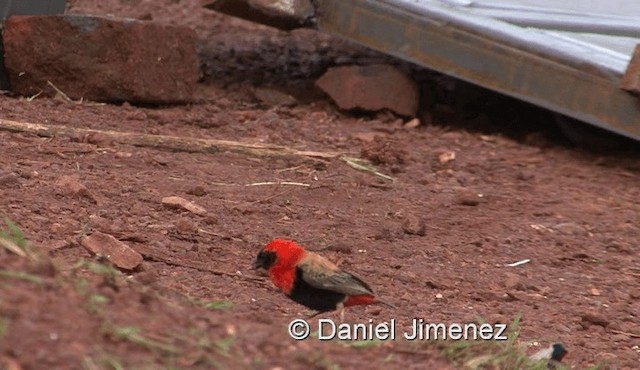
[(185, 144)]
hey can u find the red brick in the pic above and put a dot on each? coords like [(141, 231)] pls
[(371, 87), (101, 59)]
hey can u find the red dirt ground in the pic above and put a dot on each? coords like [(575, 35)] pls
[(435, 241)]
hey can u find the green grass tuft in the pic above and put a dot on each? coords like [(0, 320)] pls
[(14, 234), (13, 240), (491, 354), (133, 334), (366, 343), (21, 275), (96, 301), (218, 305), (4, 327)]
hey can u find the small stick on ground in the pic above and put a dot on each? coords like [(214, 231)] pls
[(59, 92), (185, 144), (279, 183), (632, 335), (363, 165)]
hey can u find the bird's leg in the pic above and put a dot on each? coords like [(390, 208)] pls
[(340, 307), (313, 315)]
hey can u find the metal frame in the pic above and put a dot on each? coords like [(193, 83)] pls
[(30, 7), (552, 71)]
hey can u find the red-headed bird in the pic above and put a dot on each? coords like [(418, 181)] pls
[(312, 280)]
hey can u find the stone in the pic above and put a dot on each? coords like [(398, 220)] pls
[(70, 185), (446, 156), (466, 197), (101, 59), (412, 123), (184, 226), (372, 88), (117, 252), (589, 319), (181, 203), (9, 180), (513, 281), (570, 228), (273, 97), (413, 225), (198, 191)]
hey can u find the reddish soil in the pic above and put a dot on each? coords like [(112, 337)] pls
[(435, 241)]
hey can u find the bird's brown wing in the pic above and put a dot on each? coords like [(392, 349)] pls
[(323, 274)]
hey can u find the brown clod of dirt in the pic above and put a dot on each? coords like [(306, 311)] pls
[(385, 151), (117, 252)]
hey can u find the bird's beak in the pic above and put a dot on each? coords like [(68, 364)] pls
[(256, 265), (264, 260)]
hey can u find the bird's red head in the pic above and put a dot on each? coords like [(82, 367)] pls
[(279, 252)]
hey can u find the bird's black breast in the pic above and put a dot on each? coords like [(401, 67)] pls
[(316, 299)]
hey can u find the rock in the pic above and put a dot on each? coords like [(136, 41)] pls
[(412, 123), (340, 248), (113, 250), (525, 175), (9, 363), (184, 226), (570, 228), (446, 157), (57, 244), (273, 97), (366, 137), (373, 88), (123, 155), (9, 180), (413, 225), (486, 296), (101, 224), (513, 281), (99, 139), (177, 202), (198, 191), (101, 59), (589, 319), (284, 15), (70, 185), (466, 197), (161, 160)]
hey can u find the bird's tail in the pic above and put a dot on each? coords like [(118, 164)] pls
[(385, 303)]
